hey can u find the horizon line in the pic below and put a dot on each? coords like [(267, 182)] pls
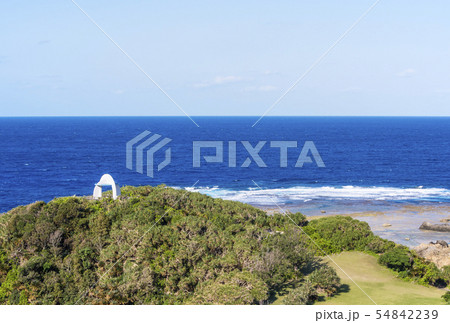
[(230, 116)]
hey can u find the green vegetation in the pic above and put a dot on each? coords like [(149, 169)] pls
[(200, 251), (325, 280), (306, 294), (379, 282), (339, 233), (397, 259), (158, 245), (446, 297)]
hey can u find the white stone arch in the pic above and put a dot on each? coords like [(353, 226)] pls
[(106, 180)]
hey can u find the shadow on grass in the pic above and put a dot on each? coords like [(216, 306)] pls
[(281, 291), (344, 288), (277, 294)]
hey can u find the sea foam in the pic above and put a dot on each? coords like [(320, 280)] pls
[(305, 194)]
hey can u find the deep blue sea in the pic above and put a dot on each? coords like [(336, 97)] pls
[(366, 158)]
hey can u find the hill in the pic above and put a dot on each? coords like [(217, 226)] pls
[(154, 245), (159, 245)]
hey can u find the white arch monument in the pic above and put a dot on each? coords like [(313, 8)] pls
[(106, 180)]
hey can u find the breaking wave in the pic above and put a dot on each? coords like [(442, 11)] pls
[(305, 194)]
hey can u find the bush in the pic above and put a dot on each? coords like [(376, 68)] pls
[(446, 297), (304, 295), (446, 274), (325, 280), (427, 273), (283, 258), (235, 288), (198, 250), (378, 245), (398, 259), (8, 285), (339, 233)]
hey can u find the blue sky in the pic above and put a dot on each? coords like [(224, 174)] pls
[(224, 58)]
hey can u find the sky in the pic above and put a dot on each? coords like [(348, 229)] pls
[(224, 58)]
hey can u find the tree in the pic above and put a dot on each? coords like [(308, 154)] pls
[(325, 279), (235, 288), (304, 295), (398, 259), (339, 233), (446, 297)]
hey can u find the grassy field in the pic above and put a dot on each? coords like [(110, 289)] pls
[(378, 282)]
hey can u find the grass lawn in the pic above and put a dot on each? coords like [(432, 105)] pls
[(378, 282)]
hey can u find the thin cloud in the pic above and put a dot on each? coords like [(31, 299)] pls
[(269, 72), (409, 72), (220, 80), (226, 79)]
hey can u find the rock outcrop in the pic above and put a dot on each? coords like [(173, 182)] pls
[(441, 242), (435, 227), (437, 252)]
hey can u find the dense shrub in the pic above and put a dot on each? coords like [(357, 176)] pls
[(378, 245), (446, 297), (158, 245), (235, 288), (325, 280), (398, 259), (339, 233), (303, 295), (153, 245), (427, 273), (283, 257), (446, 273)]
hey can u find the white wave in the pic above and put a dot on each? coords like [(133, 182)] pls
[(304, 194)]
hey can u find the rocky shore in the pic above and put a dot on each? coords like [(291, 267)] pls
[(444, 227), (437, 252)]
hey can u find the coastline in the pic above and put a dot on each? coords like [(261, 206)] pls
[(395, 221)]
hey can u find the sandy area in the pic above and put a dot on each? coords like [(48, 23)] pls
[(398, 222)]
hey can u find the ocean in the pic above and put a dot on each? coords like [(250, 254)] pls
[(398, 159), (392, 170)]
